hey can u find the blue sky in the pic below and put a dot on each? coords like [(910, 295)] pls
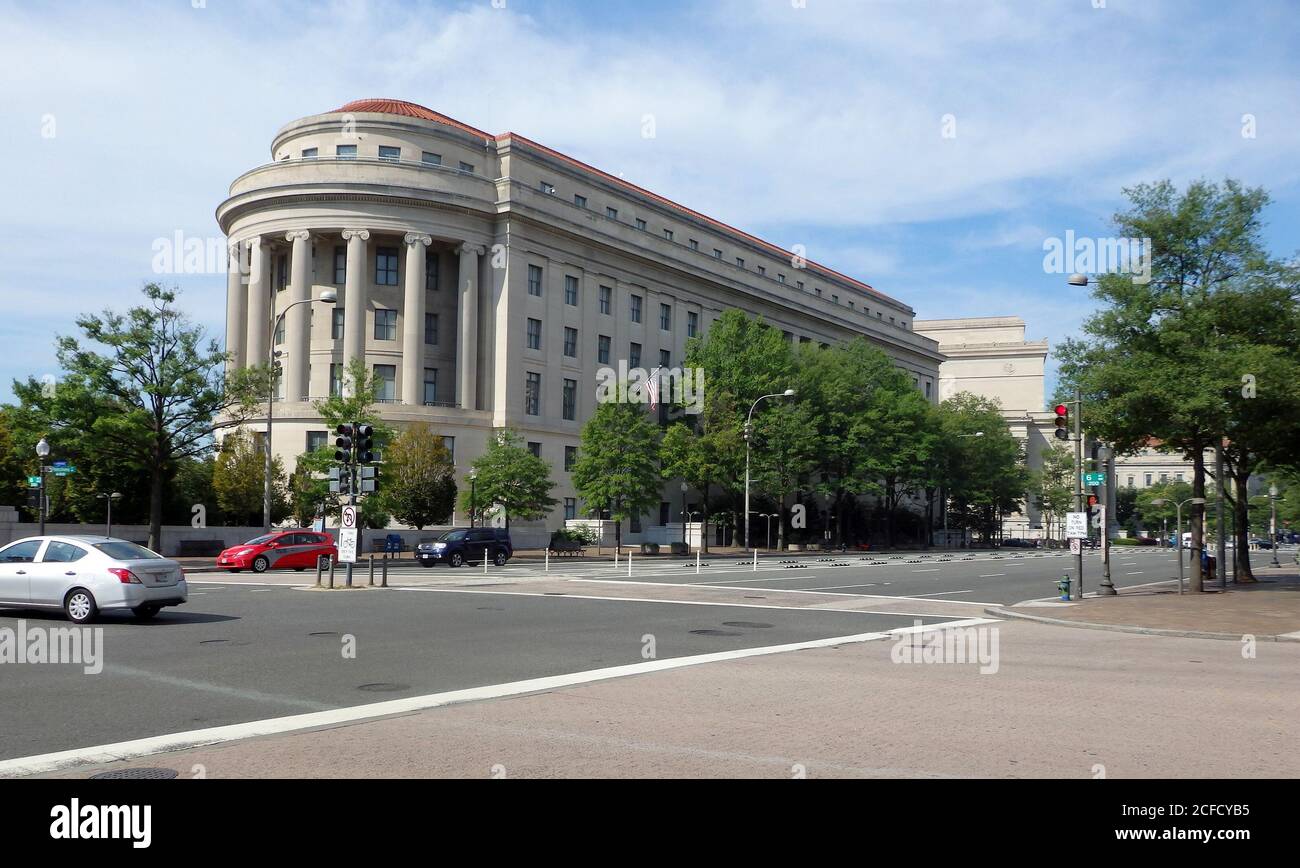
[(817, 123)]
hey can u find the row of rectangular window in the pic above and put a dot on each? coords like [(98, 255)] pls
[(606, 301), (386, 268), (612, 213), (386, 152)]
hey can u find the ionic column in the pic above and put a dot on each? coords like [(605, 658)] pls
[(236, 310), (259, 302), (467, 345), (297, 332), (413, 320), (354, 296)]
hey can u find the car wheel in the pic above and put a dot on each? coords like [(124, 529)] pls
[(428, 565), (147, 611), (456, 559), (261, 564), (79, 605), (500, 559)]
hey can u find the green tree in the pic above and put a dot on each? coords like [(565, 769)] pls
[(419, 478), (703, 452), (1167, 358), (1055, 488), (154, 396), (355, 403), (512, 478), (785, 453), (238, 479), (618, 463)]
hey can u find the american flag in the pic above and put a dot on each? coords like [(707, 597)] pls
[(653, 387)]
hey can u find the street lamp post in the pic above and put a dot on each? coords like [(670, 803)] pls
[(684, 514), (329, 296), (108, 502), (1107, 587), (1272, 521), (769, 516), (1178, 528), (42, 452), (473, 494), (749, 427)]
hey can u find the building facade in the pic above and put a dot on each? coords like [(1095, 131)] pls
[(989, 357), (486, 279)]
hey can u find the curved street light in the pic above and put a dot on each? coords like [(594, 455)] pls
[(749, 427), (42, 452), (1178, 528), (329, 296)]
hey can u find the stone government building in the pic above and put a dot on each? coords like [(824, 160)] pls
[(486, 278)]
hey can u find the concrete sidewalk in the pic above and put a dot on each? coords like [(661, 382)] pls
[(1268, 609), (1063, 703)]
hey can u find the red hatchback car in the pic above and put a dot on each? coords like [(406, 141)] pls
[(283, 550)]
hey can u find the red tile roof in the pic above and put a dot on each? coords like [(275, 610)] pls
[(413, 110)]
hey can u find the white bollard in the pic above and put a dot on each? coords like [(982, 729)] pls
[(485, 560), (615, 557), (697, 562), (548, 560), (755, 560), (629, 564)]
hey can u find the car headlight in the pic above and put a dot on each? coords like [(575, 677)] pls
[(439, 546), (242, 553)]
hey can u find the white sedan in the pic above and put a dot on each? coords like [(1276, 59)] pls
[(84, 574)]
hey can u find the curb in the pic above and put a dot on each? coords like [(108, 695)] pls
[(1128, 628)]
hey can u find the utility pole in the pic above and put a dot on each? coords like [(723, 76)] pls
[(1220, 524), (1078, 479)]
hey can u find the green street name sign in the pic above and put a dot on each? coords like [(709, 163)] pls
[(33, 482), (1096, 478)]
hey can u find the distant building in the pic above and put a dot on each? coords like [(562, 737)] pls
[(989, 357)]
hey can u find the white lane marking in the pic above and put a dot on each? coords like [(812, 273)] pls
[(220, 689), (935, 570), (260, 591), (249, 584), (49, 762), (789, 591), (1138, 573), (564, 596), (944, 592), (991, 575)]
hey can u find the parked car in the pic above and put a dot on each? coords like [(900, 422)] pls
[(1261, 542), (1147, 541), (283, 550), (83, 575), (467, 546)]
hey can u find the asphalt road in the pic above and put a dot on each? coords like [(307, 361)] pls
[(237, 653), (976, 577)]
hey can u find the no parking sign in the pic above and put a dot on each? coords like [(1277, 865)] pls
[(348, 535)]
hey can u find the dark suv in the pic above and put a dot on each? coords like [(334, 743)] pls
[(467, 546)]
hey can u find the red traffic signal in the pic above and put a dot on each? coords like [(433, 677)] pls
[(1062, 421)]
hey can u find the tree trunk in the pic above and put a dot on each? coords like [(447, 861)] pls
[(155, 507), (1241, 531)]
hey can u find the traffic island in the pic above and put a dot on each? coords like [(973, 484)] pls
[(1267, 609)]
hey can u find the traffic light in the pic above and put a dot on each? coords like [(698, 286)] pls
[(344, 443), (365, 444), (1062, 422)]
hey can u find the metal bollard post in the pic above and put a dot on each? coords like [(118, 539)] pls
[(332, 562), (629, 563), (548, 560), (372, 570), (320, 568), (384, 578), (697, 562), (755, 561)]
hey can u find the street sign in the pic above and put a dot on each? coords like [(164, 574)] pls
[(56, 465), (348, 545), (1076, 525), (349, 517), (64, 470), (33, 482), (1076, 546), (1094, 478)]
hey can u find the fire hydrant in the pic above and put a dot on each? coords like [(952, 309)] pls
[(1063, 586)]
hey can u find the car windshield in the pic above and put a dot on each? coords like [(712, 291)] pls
[(127, 551), (261, 540), (452, 536)]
